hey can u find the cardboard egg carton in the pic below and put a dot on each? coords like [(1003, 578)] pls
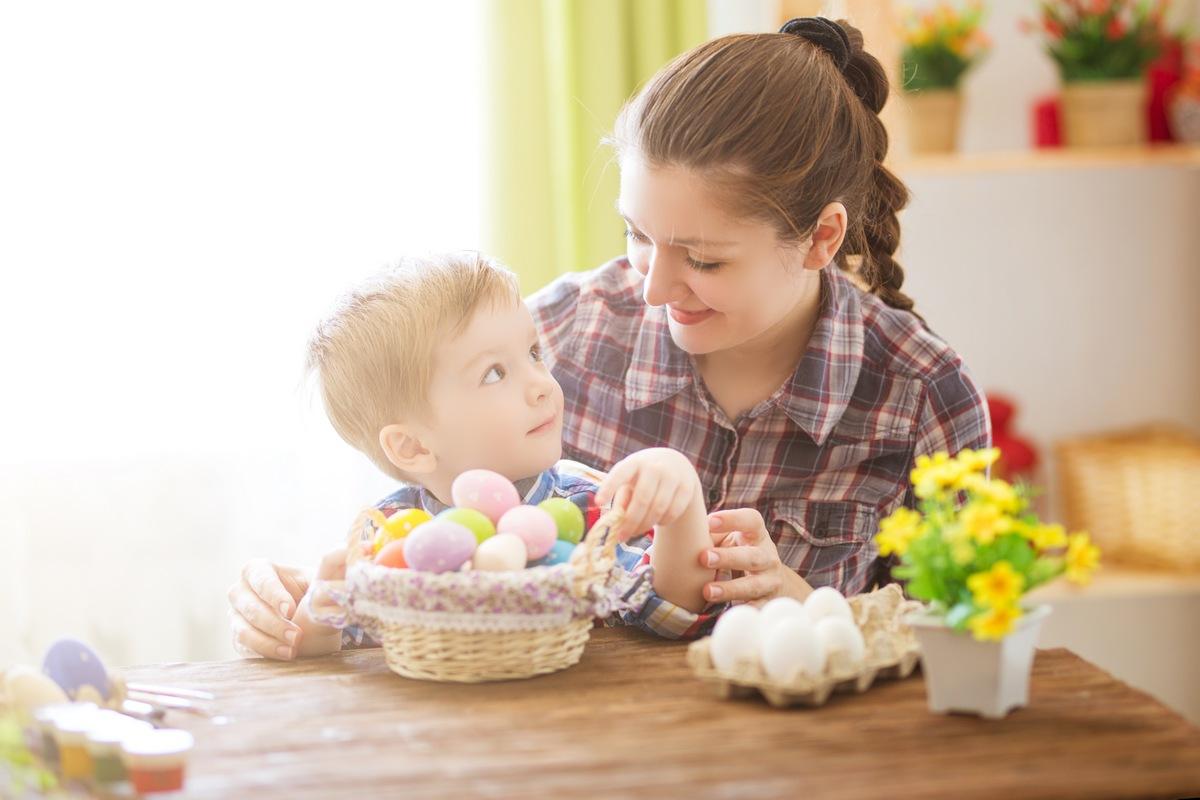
[(891, 652)]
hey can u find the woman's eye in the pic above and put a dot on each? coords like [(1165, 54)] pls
[(704, 266), (535, 353), (635, 236), (495, 374)]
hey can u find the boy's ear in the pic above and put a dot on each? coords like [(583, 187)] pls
[(406, 451), (827, 236)]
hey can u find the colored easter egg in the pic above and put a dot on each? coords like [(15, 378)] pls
[(402, 523), (72, 665), (503, 552), (560, 553), (474, 521), (439, 546), (533, 525), (567, 517), (392, 555), (825, 601), (485, 491), (27, 689)]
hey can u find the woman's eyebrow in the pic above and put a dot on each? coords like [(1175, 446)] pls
[(685, 241)]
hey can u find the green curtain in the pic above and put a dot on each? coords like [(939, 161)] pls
[(558, 72)]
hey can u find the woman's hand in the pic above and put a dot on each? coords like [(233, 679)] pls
[(331, 574), (742, 545), (653, 487), (262, 603)]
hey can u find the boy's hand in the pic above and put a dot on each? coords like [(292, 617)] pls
[(653, 487)]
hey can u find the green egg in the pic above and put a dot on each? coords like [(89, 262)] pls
[(474, 521), (567, 517)]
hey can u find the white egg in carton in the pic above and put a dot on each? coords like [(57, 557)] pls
[(800, 653)]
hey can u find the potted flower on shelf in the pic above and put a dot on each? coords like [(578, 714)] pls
[(939, 46), (971, 552), (1102, 49)]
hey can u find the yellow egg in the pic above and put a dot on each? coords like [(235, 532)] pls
[(28, 688), (399, 525)]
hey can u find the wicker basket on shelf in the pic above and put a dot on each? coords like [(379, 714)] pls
[(472, 626), (1137, 492)]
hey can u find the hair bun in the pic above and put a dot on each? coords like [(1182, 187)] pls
[(824, 33)]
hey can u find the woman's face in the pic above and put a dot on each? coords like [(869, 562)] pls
[(725, 282)]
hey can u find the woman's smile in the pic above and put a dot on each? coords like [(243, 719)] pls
[(690, 317)]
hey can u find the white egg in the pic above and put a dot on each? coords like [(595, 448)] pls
[(792, 648), (826, 601), (503, 552), (779, 609), (735, 637), (28, 688), (842, 638)]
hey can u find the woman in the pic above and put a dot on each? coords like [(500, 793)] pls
[(756, 323)]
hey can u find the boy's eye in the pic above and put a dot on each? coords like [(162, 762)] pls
[(535, 352), (495, 374)]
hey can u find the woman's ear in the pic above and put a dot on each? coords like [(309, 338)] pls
[(404, 448), (827, 236)]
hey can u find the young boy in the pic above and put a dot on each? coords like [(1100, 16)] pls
[(433, 368)]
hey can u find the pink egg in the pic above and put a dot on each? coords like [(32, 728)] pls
[(439, 546), (485, 491), (534, 525)]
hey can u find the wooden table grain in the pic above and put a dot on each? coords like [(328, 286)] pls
[(630, 721)]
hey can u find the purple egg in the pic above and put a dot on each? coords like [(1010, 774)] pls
[(439, 546), (72, 665)]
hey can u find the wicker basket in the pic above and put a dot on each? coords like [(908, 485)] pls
[(1137, 493), (473, 626)]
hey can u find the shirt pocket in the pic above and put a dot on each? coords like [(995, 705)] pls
[(838, 529)]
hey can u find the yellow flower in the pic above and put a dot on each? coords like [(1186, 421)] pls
[(999, 586), (994, 623), (897, 531), (1082, 558), (1047, 537), (983, 522), (936, 474), (994, 491), (978, 460)]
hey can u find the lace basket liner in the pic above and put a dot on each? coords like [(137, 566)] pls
[(891, 652), (475, 625)]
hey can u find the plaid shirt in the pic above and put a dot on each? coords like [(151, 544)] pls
[(577, 483), (823, 459)]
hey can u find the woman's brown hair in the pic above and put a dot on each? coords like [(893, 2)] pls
[(787, 124)]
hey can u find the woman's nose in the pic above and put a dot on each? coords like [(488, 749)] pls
[(659, 287)]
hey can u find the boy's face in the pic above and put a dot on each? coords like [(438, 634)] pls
[(494, 404)]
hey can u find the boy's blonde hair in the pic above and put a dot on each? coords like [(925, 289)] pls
[(373, 356)]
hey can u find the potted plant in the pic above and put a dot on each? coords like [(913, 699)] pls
[(971, 551), (1102, 49), (939, 46)]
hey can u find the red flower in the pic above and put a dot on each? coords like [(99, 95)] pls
[(1116, 29), (1053, 27)]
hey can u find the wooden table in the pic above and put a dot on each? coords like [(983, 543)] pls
[(630, 721)]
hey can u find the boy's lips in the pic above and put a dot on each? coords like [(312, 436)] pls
[(543, 427)]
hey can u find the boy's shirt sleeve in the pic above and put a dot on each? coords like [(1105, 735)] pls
[(658, 615)]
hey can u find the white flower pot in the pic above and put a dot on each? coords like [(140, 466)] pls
[(966, 675)]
